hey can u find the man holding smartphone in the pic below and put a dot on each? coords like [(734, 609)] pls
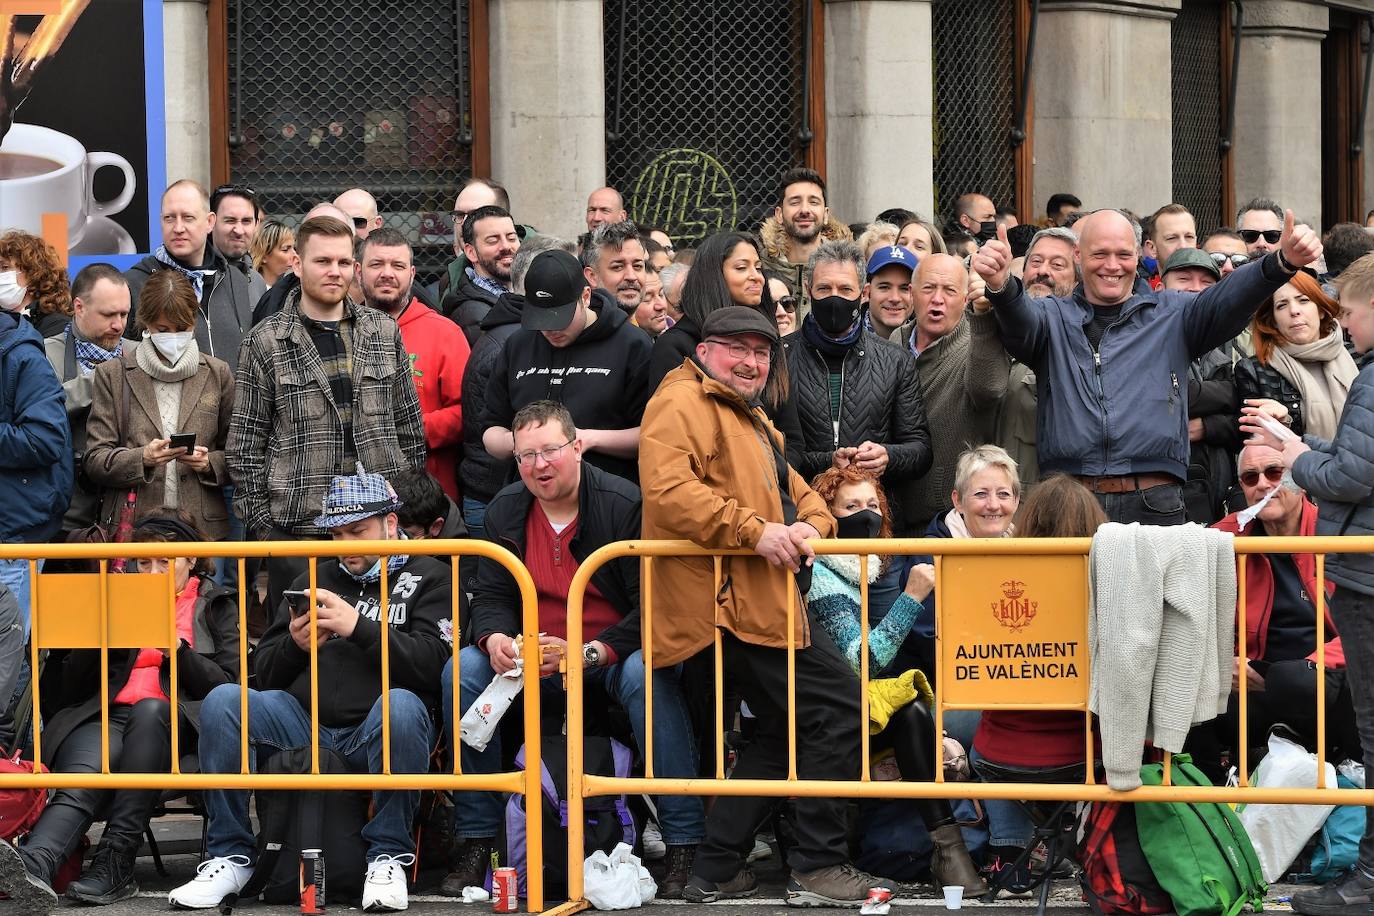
[(348, 643)]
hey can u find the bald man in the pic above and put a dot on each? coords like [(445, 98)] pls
[(605, 205), (962, 370), (976, 214), (361, 210), (1111, 362)]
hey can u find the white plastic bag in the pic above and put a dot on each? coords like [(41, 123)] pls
[(1352, 771), (617, 881), (479, 722), (1279, 832)]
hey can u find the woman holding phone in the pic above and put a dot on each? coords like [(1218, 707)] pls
[(160, 416)]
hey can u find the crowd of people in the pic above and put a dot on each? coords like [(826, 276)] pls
[(974, 377)]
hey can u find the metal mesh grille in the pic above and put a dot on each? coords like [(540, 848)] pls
[(1196, 54), (974, 45), (703, 105), (354, 93)]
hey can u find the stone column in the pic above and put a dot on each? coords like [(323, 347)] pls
[(186, 84), (1278, 151), (1103, 116), (878, 107), (548, 112)]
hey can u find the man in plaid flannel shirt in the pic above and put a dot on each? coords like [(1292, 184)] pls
[(322, 385)]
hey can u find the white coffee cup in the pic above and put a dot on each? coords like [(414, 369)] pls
[(954, 896), (68, 188)]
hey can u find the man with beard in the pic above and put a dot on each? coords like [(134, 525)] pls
[(236, 220), (962, 370), (577, 347), (714, 473), (323, 384), (1117, 360), (857, 395), (490, 242), (289, 282), (438, 350), (799, 224), (1051, 267), (613, 260), (345, 630)]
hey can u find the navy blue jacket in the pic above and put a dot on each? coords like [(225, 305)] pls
[(35, 441), (1124, 409)]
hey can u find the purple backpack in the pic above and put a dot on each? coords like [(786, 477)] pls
[(608, 818)]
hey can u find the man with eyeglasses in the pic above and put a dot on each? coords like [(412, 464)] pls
[(1227, 249), (559, 512), (236, 213), (1281, 620), (575, 346), (1260, 225), (361, 208)]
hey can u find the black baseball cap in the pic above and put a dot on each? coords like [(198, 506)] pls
[(553, 287), (734, 320)]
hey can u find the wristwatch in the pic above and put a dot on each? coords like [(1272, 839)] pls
[(591, 655)]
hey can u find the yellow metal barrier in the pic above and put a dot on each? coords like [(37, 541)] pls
[(1071, 553), (106, 611)]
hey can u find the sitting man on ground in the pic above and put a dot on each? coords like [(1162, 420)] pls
[(560, 511), (348, 639)]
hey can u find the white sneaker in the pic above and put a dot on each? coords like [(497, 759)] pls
[(652, 839), (384, 891), (215, 879)]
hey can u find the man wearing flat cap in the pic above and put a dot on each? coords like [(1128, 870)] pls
[(348, 631), (712, 471)]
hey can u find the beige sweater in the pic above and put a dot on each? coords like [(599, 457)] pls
[(1161, 636)]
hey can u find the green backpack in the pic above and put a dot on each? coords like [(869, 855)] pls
[(1200, 853)]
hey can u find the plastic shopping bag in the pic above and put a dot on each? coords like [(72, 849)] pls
[(617, 881), (479, 722), (1280, 832)]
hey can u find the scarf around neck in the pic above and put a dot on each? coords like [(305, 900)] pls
[(197, 276), (1300, 363), (151, 362), (90, 354), (812, 334)]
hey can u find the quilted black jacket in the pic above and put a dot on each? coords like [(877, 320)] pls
[(1257, 381), (880, 401)]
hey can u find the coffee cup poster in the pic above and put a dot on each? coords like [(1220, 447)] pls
[(81, 123)]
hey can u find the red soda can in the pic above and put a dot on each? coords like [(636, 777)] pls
[(505, 891), (878, 902), (312, 881)]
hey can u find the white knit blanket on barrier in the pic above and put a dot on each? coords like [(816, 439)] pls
[(1161, 637)]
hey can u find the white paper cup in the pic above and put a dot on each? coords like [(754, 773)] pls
[(954, 896)]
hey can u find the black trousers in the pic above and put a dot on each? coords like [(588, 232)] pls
[(910, 733), (282, 572), (140, 742), (828, 722)]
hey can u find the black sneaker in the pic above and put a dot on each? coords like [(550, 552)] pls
[(469, 866), (31, 893), (699, 890), (110, 878), (1004, 872), (1352, 894)]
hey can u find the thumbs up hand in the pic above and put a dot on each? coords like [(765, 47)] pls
[(992, 262), (1299, 245)]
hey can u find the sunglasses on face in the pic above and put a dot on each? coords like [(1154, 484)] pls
[(1273, 474), (1220, 259), (788, 303), (1251, 236), (360, 222)]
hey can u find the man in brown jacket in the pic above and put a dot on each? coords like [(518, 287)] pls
[(713, 472)]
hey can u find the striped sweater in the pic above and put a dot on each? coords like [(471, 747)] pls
[(833, 604)]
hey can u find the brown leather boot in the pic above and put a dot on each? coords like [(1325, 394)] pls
[(950, 863)]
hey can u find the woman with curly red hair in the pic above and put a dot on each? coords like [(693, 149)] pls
[(34, 283)]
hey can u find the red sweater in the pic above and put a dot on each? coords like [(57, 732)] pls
[(438, 355), (552, 567)]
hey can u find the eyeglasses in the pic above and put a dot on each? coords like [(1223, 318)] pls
[(1220, 259), (1251, 236), (550, 454), (1273, 474), (788, 303), (740, 351)]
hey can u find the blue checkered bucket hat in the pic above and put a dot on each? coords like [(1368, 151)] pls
[(355, 497)]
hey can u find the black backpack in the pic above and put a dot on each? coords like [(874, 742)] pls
[(288, 822)]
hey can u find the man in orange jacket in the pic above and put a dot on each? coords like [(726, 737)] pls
[(438, 350)]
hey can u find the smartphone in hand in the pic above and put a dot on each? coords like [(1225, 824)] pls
[(183, 440)]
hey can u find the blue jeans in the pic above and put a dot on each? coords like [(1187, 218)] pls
[(276, 722), (1161, 505), (475, 517), (227, 568), (14, 575), (681, 818), (1008, 822)]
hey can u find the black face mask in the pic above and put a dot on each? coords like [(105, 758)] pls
[(862, 524), (836, 314), (987, 231)]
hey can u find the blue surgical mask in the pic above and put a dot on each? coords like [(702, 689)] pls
[(372, 575)]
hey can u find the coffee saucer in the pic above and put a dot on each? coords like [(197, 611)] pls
[(104, 236)]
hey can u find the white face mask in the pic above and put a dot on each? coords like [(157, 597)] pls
[(171, 344), (11, 293)]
